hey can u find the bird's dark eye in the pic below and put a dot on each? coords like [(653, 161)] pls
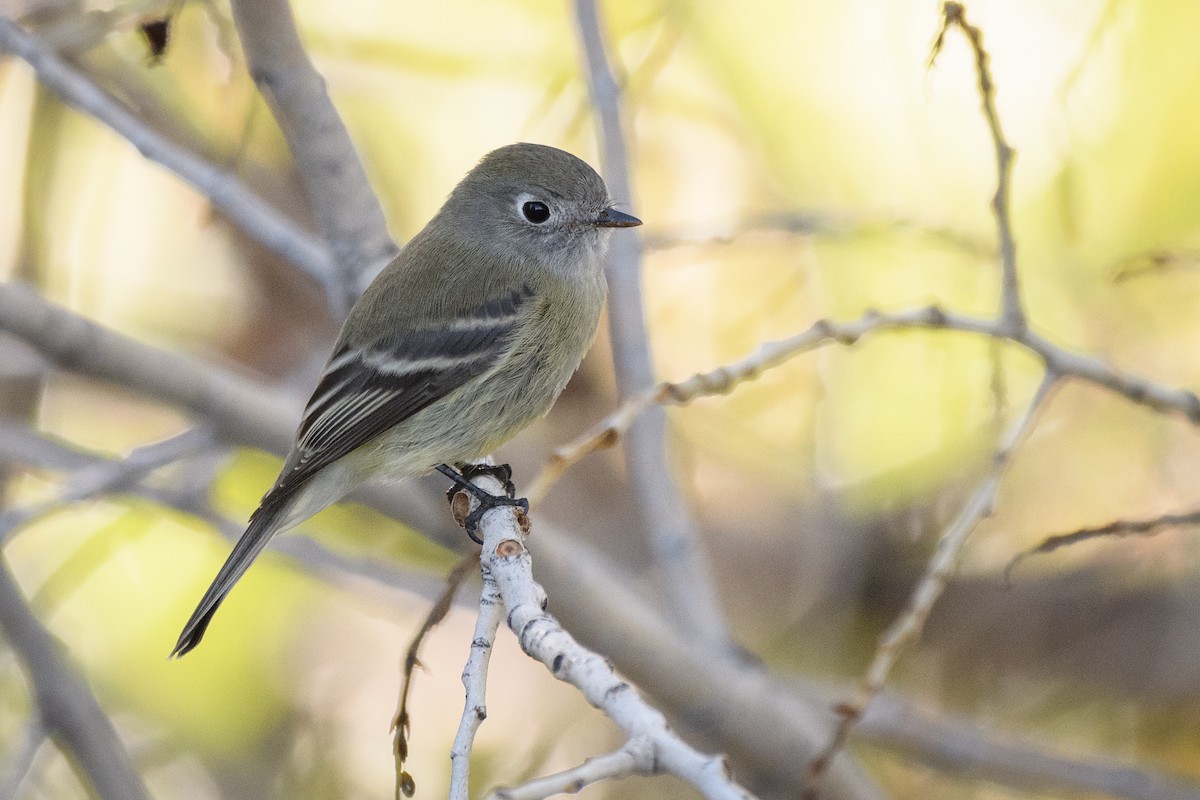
[(536, 212)]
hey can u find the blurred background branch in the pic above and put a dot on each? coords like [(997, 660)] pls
[(959, 747), (347, 211), (65, 709), (221, 187), (671, 533), (1115, 529)]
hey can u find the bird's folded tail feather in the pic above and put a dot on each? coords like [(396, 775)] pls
[(263, 525)]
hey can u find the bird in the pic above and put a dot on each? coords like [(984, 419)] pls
[(467, 336)]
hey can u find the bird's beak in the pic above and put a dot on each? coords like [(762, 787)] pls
[(611, 218)]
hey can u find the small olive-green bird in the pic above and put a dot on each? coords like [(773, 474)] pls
[(465, 338)]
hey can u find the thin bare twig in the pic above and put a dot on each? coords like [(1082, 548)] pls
[(21, 446), (474, 679), (1116, 528), (401, 722), (106, 477), (937, 572), (672, 534), (726, 378), (347, 210), (629, 760), (1155, 263), (1011, 311), (224, 189)]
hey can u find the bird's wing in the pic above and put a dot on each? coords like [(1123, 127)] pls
[(366, 390), (363, 391)]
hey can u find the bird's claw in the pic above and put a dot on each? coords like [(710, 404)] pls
[(487, 501)]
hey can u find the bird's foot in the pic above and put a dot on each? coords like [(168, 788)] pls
[(487, 501), (471, 523)]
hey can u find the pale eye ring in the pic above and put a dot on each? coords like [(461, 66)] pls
[(535, 211)]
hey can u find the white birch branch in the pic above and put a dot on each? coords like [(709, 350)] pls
[(629, 760), (474, 679), (506, 561)]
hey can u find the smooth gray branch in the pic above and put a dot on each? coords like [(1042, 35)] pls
[(22, 759), (223, 188), (961, 747), (347, 210), (672, 532), (67, 709)]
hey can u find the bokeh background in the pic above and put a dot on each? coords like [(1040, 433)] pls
[(792, 161)]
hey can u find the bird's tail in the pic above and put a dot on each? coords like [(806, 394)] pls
[(263, 525)]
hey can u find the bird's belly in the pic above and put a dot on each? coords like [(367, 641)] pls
[(519, 391)]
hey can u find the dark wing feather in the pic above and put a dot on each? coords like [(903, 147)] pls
[(365, 391)]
